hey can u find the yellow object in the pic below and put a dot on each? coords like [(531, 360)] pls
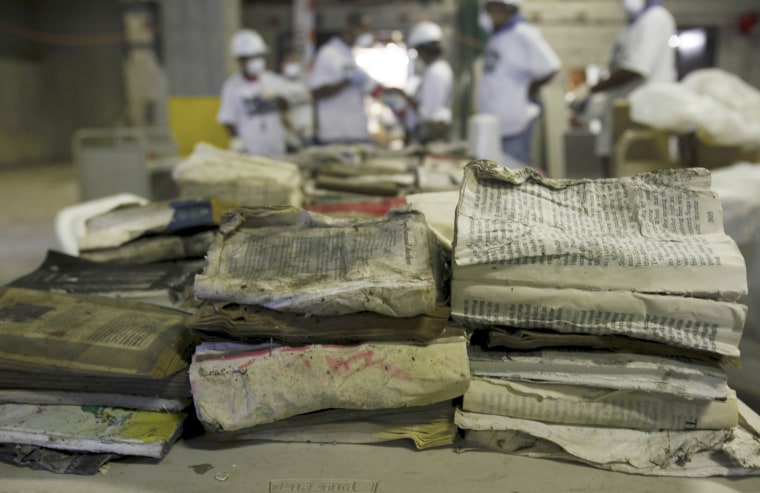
[(193, 120)]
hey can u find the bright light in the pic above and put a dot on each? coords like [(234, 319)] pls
[(692, 40), (388, 65), (595, 126), (674, 42)]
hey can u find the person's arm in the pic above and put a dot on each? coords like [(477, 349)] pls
[(536, 85), (236, 144), (358, 78), (329, 90), (542, 62), (227, 117), (228, 110), (409, 99), (286, 123), (283, 107), (231, 129), (616, 79)]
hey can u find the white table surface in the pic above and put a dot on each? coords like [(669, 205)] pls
[(396, 468)]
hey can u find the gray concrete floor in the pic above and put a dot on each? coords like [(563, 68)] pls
[(30, 196)]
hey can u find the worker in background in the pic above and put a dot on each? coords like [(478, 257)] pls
[(430, 116), (518, 61), (299, 124), (338, 85), (254, 100), (641, 55)]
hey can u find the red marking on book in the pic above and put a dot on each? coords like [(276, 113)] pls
[(366, 359)]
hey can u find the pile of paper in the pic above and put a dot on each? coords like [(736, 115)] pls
[(312, 158), (167, 284), (358, 173), (438, 173), (237, 178), (308, 314), (385, 175), (604, 310), (84, 373), (157, 231), (291, 260)]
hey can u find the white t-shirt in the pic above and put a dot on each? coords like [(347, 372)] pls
[(435, 93), (514, 58), (341, 116), (643, 47), (251, 107)]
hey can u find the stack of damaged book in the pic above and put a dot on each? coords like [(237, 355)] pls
[(438, 173), (154, 232), (603, 311), (326, 329), (389, 175), (237, 178), (168, 284), (84, 374), (336, 173)]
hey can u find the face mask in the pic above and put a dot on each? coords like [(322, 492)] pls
[(633, 7), (255, 66), (291, 70), (485, 22), (364, 40)]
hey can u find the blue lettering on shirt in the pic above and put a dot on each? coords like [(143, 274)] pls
[(258, 106), (492, 58)]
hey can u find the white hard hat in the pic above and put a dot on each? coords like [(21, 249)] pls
[(247, 42), (424, 32)]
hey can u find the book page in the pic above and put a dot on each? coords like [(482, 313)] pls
[(238, 389), (694, 453), (389, 265), (678, 377), (654, 233), (79, 332), (693, 323), (579, 405)]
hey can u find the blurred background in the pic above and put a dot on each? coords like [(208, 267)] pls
[(105, 63)]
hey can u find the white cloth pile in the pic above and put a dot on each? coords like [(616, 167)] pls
[(715, 103)]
